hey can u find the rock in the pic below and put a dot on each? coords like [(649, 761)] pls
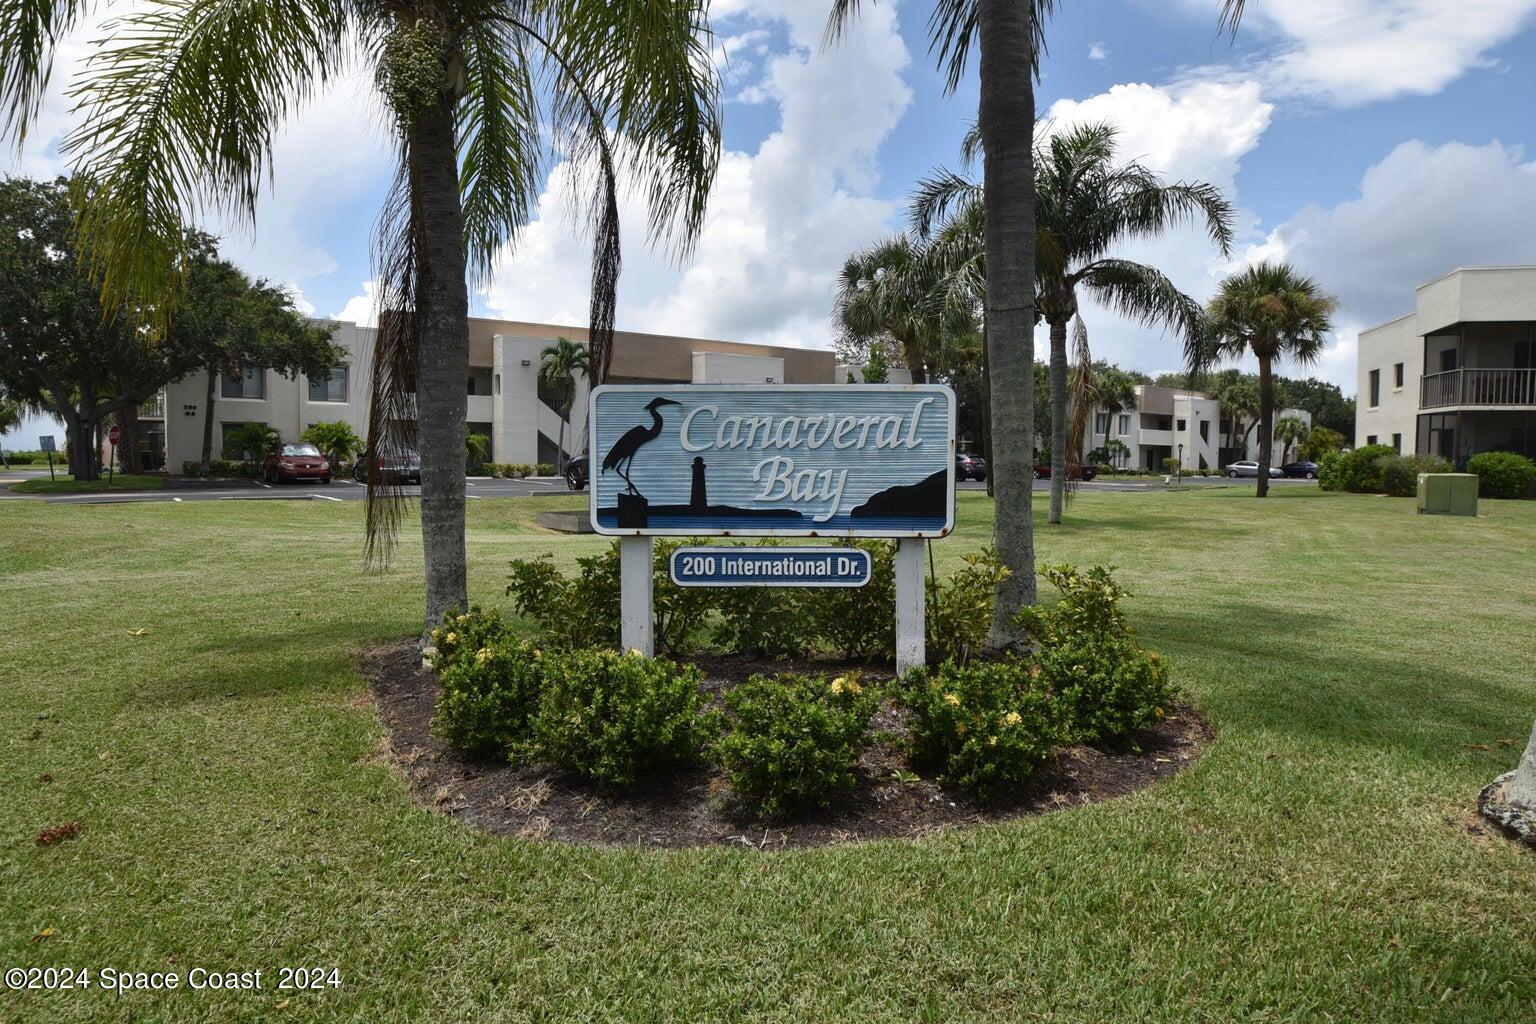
[(1522, 786)]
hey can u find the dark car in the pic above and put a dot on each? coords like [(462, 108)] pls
[(576, 473), (1075, 471), (970, 467), (404, 468), (1301, 470), (300, 461)]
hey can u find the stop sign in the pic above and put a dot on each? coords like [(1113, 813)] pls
[(114, 434)]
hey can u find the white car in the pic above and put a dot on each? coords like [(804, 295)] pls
[(1250, 468)]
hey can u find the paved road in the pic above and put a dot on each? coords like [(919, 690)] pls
[(182, 490)]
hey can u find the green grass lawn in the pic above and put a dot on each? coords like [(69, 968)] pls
[(66, 484), (1361, 665)]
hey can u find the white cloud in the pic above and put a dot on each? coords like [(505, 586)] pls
[(781, 219), (363, 309), (1350, 52), (1097, 51), (1420, 212)]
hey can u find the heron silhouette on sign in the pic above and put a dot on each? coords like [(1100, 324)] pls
[(622, 454)]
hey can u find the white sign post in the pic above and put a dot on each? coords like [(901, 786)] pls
[(782, 460)]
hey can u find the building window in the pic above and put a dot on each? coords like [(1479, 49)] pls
[(1125, 424), (1205, 432), (330, 386), (1397, 442), (1101, 423), (1182, 425), (496, 384), (1370, 438), (471, 385), (1375, 389), (1397, 375), (251, 383)]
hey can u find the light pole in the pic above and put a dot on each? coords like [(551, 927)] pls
[(1181, 464)]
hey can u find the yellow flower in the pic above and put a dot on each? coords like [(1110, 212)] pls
[(992, 742), (462, 619), (482, 656), (452, 638), (952, 700), (1012, 718), (635, 652), (837, 685), (538, 653), (1034, 671), (437, 634)]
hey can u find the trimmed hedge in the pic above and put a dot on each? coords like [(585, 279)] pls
[(1359, 471), (1502, 474), (1400, 473)]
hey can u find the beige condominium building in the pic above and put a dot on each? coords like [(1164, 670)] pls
[(1456, 376), (506, 401), (1177, 423)]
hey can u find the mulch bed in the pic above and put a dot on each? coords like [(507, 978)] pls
[(694, 807)]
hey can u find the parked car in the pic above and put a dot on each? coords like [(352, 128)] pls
[(1075, 471), (404, 468), (298, 461), (970, 467), (576, 473), (1300, 470), (1249, 468)]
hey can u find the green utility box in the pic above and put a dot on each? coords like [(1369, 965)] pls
[(1448, 494)]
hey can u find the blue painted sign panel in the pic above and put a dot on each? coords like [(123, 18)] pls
[(787, 460), (770, 567)]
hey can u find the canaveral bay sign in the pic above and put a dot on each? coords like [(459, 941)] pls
[(788, 460)]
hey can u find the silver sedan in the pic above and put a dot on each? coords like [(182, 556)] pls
[(1250, 468)]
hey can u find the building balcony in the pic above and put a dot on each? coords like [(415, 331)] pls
[(1162, 438), (154, 409), (1478, 388)]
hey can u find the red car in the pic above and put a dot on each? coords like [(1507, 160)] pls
[(1074, 471), (301, 461)]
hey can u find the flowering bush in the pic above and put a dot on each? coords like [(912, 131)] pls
[(986, 726), (489, 697), (1105, 685), (461, 635), (792, 741), (612, 718)]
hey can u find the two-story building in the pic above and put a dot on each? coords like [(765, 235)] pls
[(1179, 423), (506, 401), (1457, 375)]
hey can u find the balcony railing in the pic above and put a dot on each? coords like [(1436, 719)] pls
[(154, 409), (1478, 387)]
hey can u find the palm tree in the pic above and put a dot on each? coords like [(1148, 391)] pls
[(1292, 430), (1008, 35), (1085, 205), (183, 101), (1275, 313), (887, 291), (558, 366), (1114, 391)]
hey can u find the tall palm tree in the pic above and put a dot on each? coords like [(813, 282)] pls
[(1008, 36), (1273, 312), (1086, 204), (1292, 430), (183, 101), (558, 366), (1114, 391)]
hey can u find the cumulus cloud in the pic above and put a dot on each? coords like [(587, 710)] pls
[(363, 309), (1351, 52), (781, 218), (1098, 51), (1420, 212)]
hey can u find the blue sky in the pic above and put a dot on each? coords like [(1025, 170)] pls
[(1375, 143)]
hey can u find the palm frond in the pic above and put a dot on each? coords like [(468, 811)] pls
[(29, 32), (1231, 16), (1145, 294), (936, 196), (180, 106)]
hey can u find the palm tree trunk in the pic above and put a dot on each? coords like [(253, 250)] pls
[(986, 410), (208, 420), (912, 354), (1266, 421), (1007, 123), (442, 310), (1058, 419)]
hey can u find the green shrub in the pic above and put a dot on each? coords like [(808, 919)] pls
[(1400, 473), (984, 726), (461, 635), (1502, 474), (579, 611), (1104, 685), (679, 611), (793, 741), (764, 622), (1359, 471), (544, 469), (960, 609), (489, 697), (612, 718), (859, 622)]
